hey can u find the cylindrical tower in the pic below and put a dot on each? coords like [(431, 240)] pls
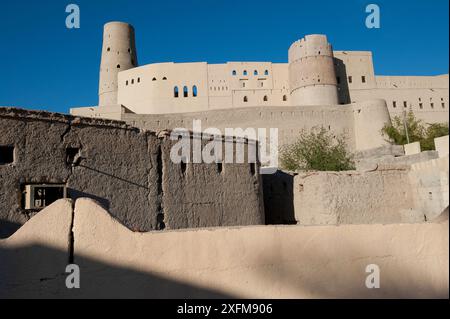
[(312, 77), (118, 54)]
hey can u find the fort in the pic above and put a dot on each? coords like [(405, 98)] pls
[(318, 86), (100, 188)]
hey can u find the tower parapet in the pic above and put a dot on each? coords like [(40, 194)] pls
[(118, 54), (312, 77)]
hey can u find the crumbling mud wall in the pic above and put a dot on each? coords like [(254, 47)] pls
[(381, 196), (244, 262), (126, 170), (429, 181)]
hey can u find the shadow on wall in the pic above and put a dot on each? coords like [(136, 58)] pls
[(341, 272), (75, 194), (341, 73), (278, 196), (100, 280), (339, 281), (7, 228)]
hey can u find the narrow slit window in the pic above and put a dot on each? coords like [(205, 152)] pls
[(194, 91), (175, 92), (183, 165), (219, 167), (253, 168), (185, 91)]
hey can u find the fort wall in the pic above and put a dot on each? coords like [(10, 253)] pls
[(360, 123)]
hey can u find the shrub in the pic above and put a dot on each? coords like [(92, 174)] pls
[(417, 131), (317, 150)]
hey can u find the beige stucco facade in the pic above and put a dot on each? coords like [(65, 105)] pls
[(245, 262), (334, 89), (314, 75)]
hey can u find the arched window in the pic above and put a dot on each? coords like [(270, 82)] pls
[(185, 91), (109, 49), (164, 78), (284, 98), (126, 83), (139, 80), (154, 79), (243, 84), (118, 66), (132, 81), (234, 72), (255, 72), (194, 91), (245, 72), (245, 99), (175, 91), (266, 72), (265, 98)]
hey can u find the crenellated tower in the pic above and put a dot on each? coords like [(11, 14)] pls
[(118, 54), (312, 77)]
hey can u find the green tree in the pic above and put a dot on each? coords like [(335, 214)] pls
[(417, 131), (317, 150), (433, 131)]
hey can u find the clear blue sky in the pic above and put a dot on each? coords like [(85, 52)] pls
[(46, 66)]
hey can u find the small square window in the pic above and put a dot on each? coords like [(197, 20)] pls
[(350, 79), (71, 155), (6, 154), (421, 105), (394, 104), (405, 104), (37, 197), (432, 105)]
